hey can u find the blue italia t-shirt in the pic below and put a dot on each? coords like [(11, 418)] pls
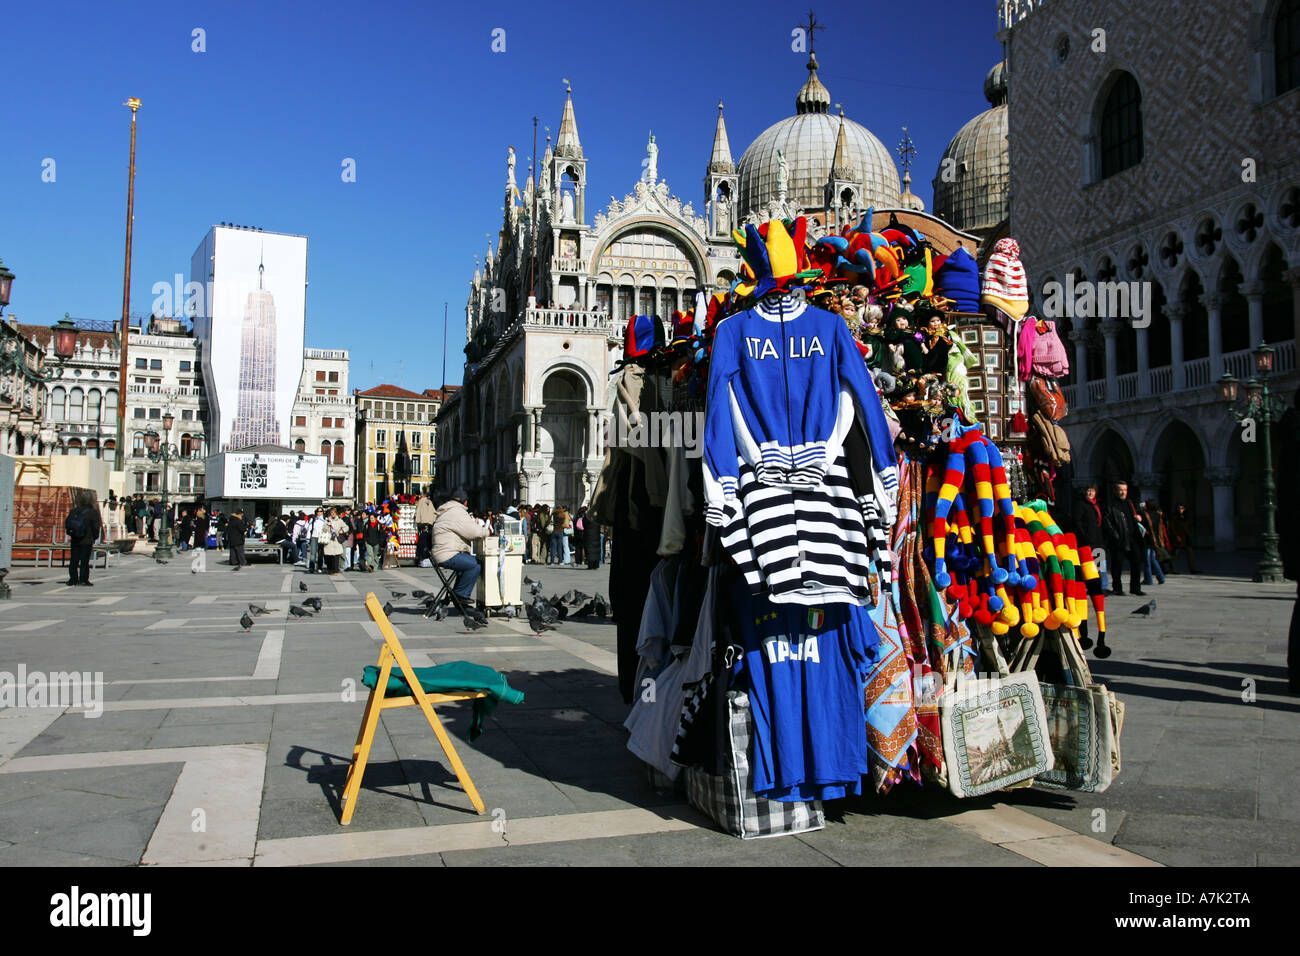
[(805, 668)]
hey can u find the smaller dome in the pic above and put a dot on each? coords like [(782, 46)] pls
[(995, 84)]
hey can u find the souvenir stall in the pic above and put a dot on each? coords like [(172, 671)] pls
[(840, 582)]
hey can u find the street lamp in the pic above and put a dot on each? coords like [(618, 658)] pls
[(6, 283), (160, 449), (65, 338), (1260, 408)]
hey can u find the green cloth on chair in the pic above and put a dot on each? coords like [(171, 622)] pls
[(451, 677)]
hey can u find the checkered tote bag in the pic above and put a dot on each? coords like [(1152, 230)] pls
[(729, 799)]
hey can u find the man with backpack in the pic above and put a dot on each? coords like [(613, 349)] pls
[(82, 526)]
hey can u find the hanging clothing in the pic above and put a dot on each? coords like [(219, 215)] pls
[(655, 718), (783, 382), (803, 546), (805, 669)]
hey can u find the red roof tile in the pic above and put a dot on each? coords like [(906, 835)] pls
[(392, 391)]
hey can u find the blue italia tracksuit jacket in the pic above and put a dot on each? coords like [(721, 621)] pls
[(789, 375)]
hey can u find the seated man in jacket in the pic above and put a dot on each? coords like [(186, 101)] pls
[(453, 530)]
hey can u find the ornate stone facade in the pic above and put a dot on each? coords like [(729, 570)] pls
[(1208, 216), (548, 308)]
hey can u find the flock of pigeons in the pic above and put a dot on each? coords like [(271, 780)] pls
[(543, 614)]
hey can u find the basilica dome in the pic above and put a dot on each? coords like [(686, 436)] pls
[(807, 140), (973, 184)]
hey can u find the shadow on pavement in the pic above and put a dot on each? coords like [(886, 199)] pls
[(1113, 674)]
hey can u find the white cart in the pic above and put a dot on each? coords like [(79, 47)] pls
[(501, 585)]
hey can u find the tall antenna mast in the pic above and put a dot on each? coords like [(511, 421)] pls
[(444, 346)]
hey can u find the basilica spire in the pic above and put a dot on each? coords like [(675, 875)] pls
[(841, 167), (721, 161), (813, 97), (567, 143)]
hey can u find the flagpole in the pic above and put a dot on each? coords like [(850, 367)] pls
[(444, 346)]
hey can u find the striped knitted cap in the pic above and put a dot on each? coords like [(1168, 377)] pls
[(1004, 276)]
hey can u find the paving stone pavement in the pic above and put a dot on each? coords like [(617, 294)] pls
[(216, 746)]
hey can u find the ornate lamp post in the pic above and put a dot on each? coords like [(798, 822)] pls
[(160, 449), (6, 283), (1261, 408)]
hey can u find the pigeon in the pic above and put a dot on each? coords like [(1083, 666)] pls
[(528, 580), (561, 611), (586, 610), (580, 598), (388, 609), (536, 621), (257, 609), (297, 611), (601, 605), (570, 597), (302, 585), (419, 594), (313, 603), (436, 611), (535, 589), (245, 620), (474, 623), (396, 594), (1146, 610), (545, 611)]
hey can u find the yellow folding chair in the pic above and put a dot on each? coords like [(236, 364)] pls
[(377, 703)]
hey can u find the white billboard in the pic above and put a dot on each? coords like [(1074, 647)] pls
[(251, 330), (288, 476)]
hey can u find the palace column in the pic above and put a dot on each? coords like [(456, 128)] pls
[(1254, 293), (1176, 313), (1143, 362), (1080, 339), (1213, 303), (1223, 481), (1111, 329)]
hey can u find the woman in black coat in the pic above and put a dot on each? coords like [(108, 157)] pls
[(591, 540)]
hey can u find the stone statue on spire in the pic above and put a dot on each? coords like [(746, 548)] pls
[(782, 176), (510, 169), (652, 161)]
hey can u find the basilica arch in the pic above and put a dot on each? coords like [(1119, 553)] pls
[(648, 266)]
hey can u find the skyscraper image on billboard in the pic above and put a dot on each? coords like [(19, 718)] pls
[(255, 422), (250, 326)]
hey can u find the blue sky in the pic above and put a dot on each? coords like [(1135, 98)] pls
[(254, 131)]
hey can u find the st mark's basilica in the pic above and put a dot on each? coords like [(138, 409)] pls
[(528, 422)]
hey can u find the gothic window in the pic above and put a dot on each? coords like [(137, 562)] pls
[(1121, 126), (1286, 46)]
